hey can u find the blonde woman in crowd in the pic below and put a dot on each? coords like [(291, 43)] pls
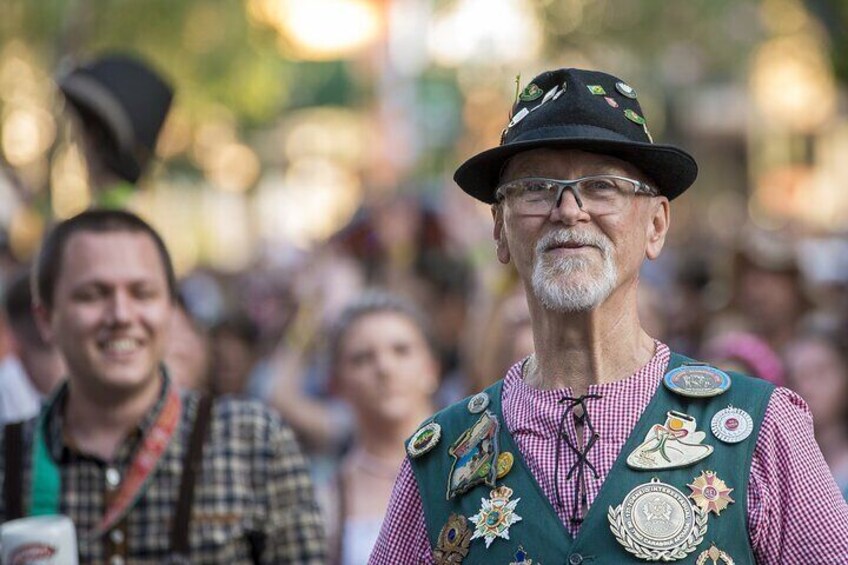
[(384, 365)]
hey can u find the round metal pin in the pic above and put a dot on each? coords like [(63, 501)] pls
[(697, 381), (625, 89), (424, 439), (732, 425), (504, 464), (478, 403)]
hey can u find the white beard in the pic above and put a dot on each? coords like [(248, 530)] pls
[(553, 281)]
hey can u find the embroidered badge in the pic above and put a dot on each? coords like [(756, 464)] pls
[(496, 516), (732, 425), (454, 540), (475, 454), (656, 522), (697, 381), (424, 439), (676, 443), (710, 493), (714, 554)]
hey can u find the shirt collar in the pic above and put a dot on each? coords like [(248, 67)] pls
[(60, 446)]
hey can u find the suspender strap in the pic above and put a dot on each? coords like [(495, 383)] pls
[(13, 484), (191, 467)]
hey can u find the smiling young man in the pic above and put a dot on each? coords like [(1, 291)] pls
[(603, 446), (147, 473)]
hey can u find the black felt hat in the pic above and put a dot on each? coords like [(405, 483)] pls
[(587, 110), (128, 101)]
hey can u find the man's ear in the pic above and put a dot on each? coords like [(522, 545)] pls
[(499, 234), (42, 321), (657, 227)]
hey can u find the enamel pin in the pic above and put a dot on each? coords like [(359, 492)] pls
[(697, 381), (710, 493), (676, 443), (454, 540), (634, 117), (611, 101), (656, 522), (625, 89), (496, 516), (531, 92), (504, 464), (715, 555), (424, 439), (596, 89), (475, 455), (521, 557), (478, 403), (732, 425)]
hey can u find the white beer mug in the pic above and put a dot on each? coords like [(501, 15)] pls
[(39, 540)]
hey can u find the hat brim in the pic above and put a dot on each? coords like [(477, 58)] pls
[(672, 169)]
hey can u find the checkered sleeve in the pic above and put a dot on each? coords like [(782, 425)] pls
[(403, 537), (293, 528), (796, 512)]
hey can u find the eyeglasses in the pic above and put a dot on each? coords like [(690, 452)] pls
[(596, 194)]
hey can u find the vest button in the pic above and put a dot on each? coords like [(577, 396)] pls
[(575, 559)]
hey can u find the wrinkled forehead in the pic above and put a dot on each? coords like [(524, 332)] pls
[(567, 164)]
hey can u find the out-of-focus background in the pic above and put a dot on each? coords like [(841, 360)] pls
[(310, 148)]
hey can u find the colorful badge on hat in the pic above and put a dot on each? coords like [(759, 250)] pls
[(732, 425), (710, 493), (656, 522), (454, 540), (504, 464), (625, 89), (521, 557), (424, 439), (697, 381), (715, 555), (475, 455), (611, 101), (596, 89), (634, 117), (496, 515), (676, 443), (531, 92), (478, 403)]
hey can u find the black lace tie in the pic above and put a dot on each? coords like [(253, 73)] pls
[(589, 440)]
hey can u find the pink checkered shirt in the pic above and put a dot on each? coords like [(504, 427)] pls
[(796, 514)]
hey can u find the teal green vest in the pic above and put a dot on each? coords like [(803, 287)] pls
[(540, 532)]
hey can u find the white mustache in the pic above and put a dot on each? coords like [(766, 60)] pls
[(564, 237)]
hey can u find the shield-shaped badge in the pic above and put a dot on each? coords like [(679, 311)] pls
[(475, 453)]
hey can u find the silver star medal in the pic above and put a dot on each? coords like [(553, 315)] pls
[(495, 516)]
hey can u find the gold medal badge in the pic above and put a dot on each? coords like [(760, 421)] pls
[(715, 555), (454, 540)]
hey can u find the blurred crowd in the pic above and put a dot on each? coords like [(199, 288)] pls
[(403, 311), (357, 341)]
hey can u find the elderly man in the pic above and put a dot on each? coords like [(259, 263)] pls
[(604, 446), (147, 473)]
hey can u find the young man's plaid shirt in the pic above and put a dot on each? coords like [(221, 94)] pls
[(253, 496)]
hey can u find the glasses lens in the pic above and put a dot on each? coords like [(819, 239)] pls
[(530, 195), (605, 194)]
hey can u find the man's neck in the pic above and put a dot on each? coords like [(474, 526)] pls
[(580, 349), (98, 424)]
